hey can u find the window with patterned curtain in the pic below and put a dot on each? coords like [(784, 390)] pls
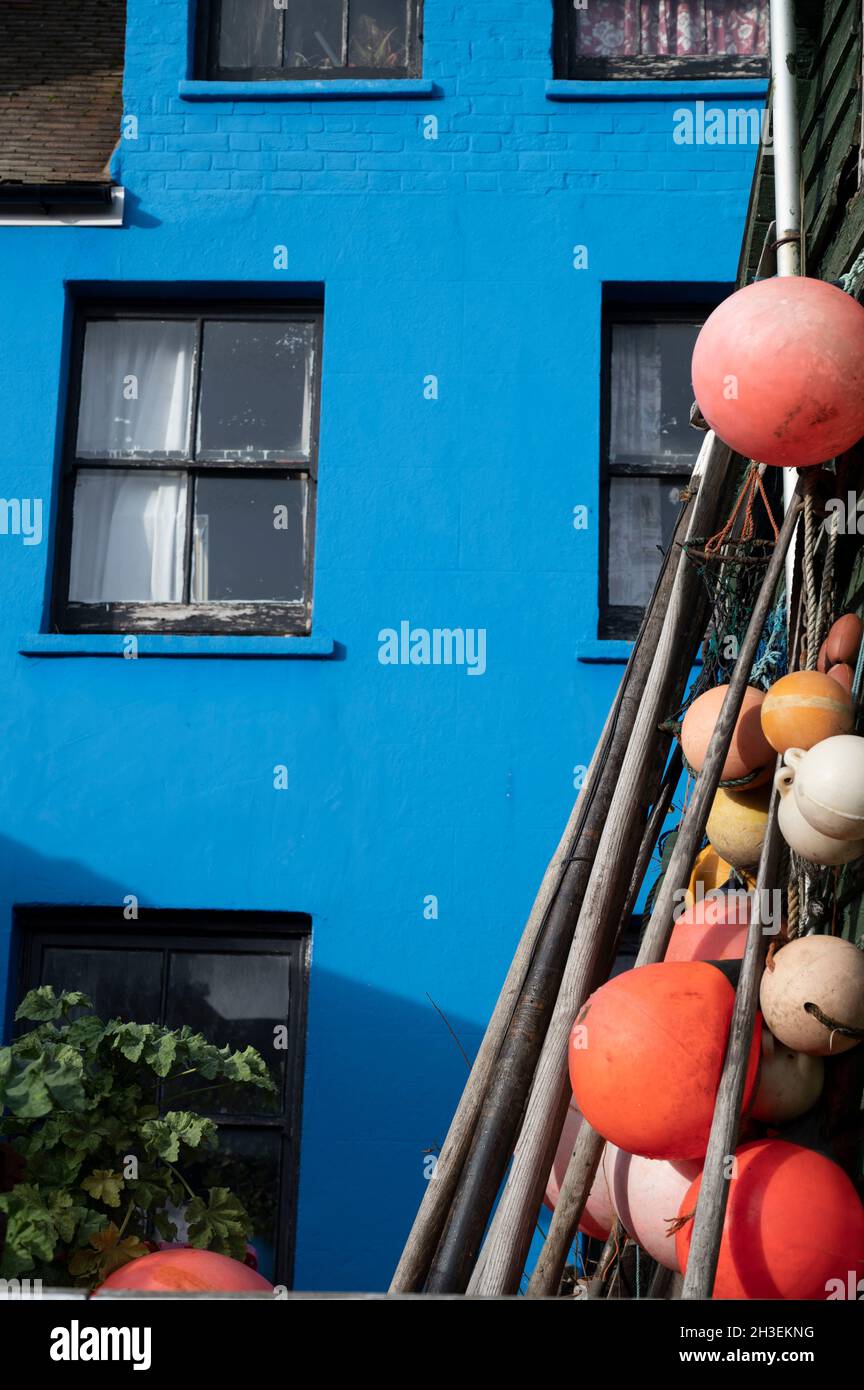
[(620, 38)]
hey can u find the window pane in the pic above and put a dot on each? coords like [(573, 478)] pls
[(249, 33), (256, 390), (377, 33), (249, 540), (128, 536), (247, 1162), (239, 1000), (673, 28), (135, 388), (123, 984), (313, 34), (651, 393), (642, 516)]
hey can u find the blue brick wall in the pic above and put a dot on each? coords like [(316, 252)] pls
[(454, 512)]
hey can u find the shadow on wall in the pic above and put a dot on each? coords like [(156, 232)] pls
[(383, 1075)]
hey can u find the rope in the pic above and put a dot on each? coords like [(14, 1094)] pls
[(746, 497), (810, 575), (826, 607)]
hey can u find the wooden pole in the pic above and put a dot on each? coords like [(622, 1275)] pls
[(714, 1189), (413, 1267), (510, 1232), (589, 1144)]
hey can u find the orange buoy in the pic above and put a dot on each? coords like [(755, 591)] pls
[(182, 1270), (598, 1214), (844, 639), (713, 928), (804, 707), (647, 1194), (794, 1223), (646, 1054), (749, 750), (778, 371)]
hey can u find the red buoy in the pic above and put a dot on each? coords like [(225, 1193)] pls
[(182, 1270), (714, 928), (646, 1055), (778, 371), (794, 1226)]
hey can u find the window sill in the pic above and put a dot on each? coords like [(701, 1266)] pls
[(54, 644), (604, 652), (340, 89), (636, 90)]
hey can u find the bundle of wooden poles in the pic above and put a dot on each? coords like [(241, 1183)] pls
[(514, 1105)]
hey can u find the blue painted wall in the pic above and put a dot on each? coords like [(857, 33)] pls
[(451, 257)]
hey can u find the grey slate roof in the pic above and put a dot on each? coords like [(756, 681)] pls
[(61, 78)]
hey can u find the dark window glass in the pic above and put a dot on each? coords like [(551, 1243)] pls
[(256, 390), (649, 456), (248, 539), (314, 34), (310, 38), (153, 533), (237, 987), (249, 33)]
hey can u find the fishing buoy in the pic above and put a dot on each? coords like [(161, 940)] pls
[(749, 751), (799, 834), (709, 872), (790, 1083), (736, 825), (598, 1214), (815, 988), (778, 371), (828, 783), (646, 1054), (714, 928), (844, 639), (804, 708), (647, 1194), (844, 675), (182, 1270), (793, 1224)]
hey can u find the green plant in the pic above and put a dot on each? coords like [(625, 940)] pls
[(83, 1139), (373, 46)]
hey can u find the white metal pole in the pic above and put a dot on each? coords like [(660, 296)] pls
[(787, 179)]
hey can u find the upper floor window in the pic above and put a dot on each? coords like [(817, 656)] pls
[(310, 39), (661, 38), (189, 470)]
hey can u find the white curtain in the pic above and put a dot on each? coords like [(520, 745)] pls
[(635, 532), (636, 394), (135, 388), (128, 534)]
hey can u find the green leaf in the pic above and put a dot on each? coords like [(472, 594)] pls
[(42, 1004), (30, 1230), (221, 1224), (164, 1137), (104, 1186)]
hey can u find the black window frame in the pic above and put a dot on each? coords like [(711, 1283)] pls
[(619, 622), (207, 48), (571, 65), (238, 617), (283, 933)]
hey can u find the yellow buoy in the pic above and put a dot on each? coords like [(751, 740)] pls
[(736, 825)]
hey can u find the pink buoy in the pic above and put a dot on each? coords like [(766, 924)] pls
[(714, 928), (778, 371), (647, 1194), (599, 1214)]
